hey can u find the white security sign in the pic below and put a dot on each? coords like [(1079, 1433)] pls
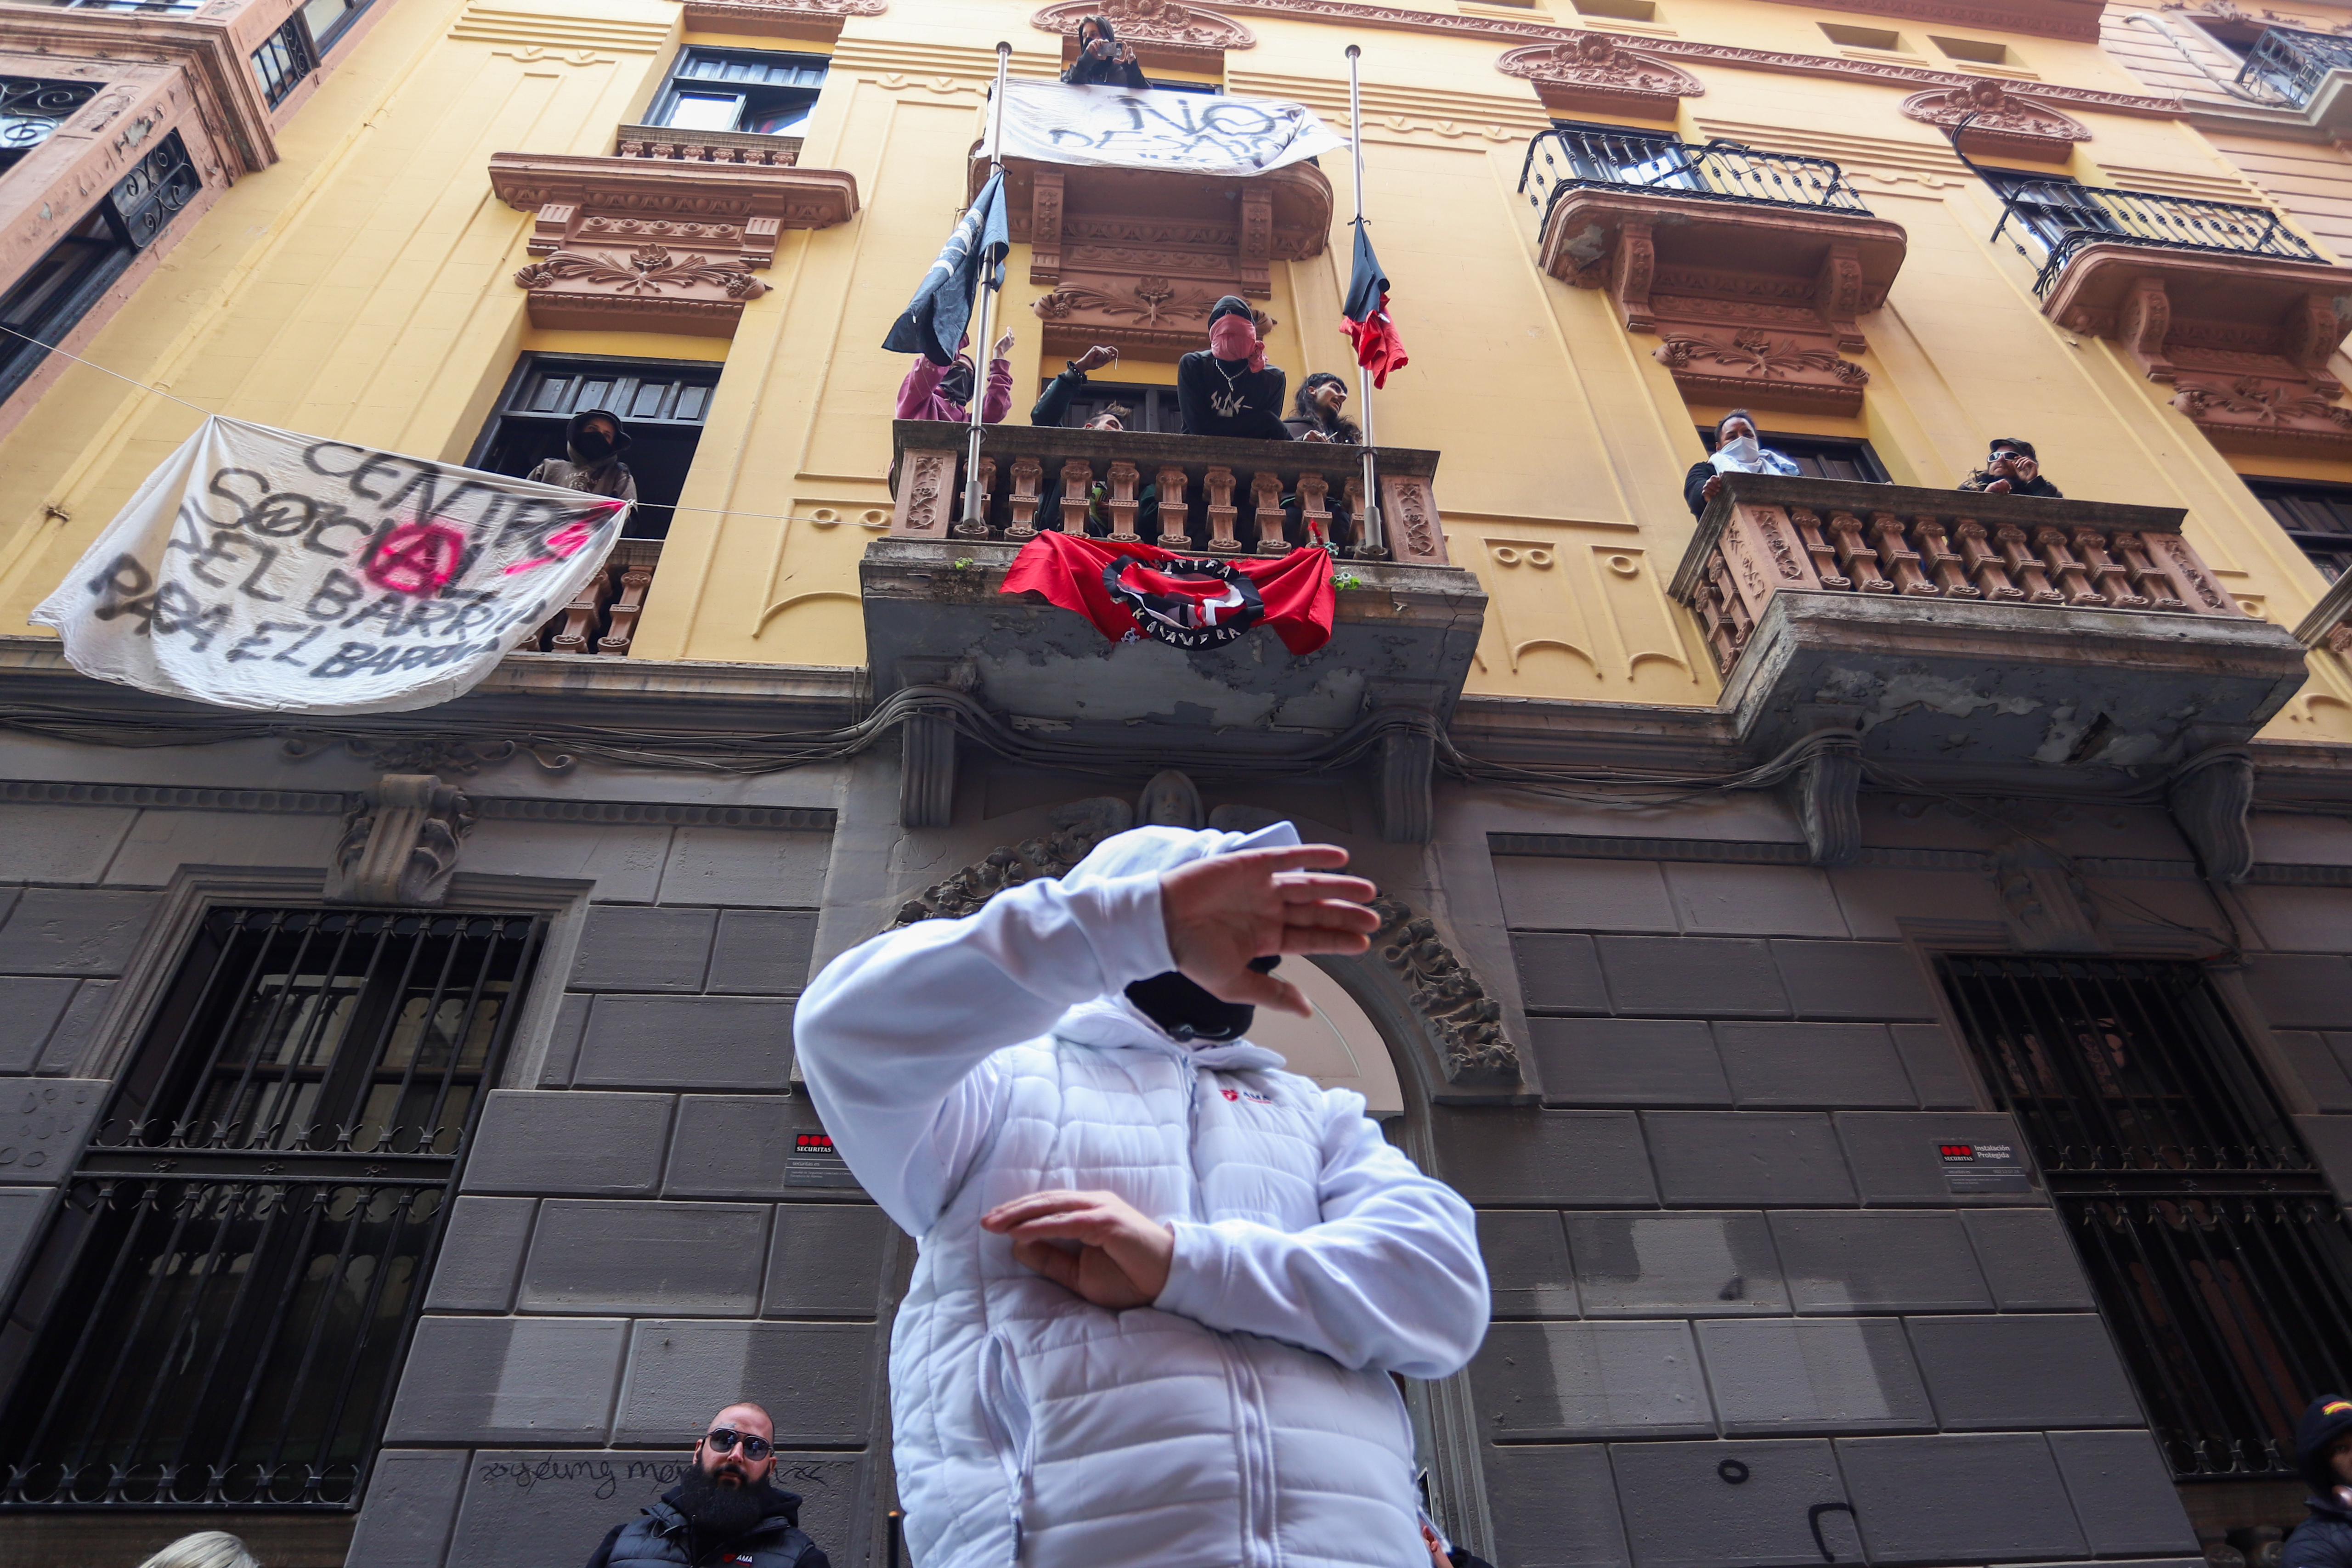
[(1199, 133), (259, 568)]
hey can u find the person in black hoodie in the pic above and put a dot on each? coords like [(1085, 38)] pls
[(2323, 1450), (1103, 60), (1227, 388), (593, 444), (724, 1511)]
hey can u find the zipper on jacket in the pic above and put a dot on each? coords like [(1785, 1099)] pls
[(1005, 1402)]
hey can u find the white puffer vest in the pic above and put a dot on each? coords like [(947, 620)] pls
[(1035, 1428)]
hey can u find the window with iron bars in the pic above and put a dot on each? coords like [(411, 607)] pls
[(2216, 1250), (284, 59), (220, 1306)]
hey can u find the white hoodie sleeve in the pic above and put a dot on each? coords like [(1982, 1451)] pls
[(1390, 1279), (888, 1036)]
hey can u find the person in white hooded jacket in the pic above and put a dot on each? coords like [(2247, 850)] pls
[(1161, 1284)]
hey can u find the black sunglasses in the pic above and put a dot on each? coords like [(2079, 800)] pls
[(724, 1439)]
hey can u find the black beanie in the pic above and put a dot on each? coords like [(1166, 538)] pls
[(1231, 305)]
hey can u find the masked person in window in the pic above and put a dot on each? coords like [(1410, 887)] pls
[(2323, 1451), (593, 444), (1228, 389), (1736, 451), (943, 393), (1161, 1284), (1103, 60), (2011, 469), (724, 1510)]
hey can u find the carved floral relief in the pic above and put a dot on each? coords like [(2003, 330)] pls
[(2001, 123), (1596, 75)]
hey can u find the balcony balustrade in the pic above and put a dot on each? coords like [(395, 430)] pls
[(1404, 634), (2064, 220), (604, 618), (2310, 70), (1949, 627), (671, 144), (1751, 265)]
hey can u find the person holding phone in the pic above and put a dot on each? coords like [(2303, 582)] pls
[(1103, 60), (2011, 469)]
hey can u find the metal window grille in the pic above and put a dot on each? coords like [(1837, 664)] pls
[(31, 109), (284, 59), (2293, 62), (221, 1304), (2217, 1253), (1577, 155)]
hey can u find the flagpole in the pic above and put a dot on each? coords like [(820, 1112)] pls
[(1370, 542), (975, 504)]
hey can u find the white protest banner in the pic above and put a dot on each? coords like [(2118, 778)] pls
[(259, 568), (1122, 127)]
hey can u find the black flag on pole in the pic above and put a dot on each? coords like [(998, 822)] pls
[(936, 318), (1378, 349)]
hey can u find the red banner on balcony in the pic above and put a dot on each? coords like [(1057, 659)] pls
[(1136, 590)]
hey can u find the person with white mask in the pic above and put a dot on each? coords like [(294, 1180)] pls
[(1736, 451), (1162, 1284)]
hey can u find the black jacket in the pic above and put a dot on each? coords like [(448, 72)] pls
[(1694, 485), (2325, 1539), (2037, 486), (1054, 403), (1259, 415), (1088, 71), (1299, 429), (661, 1537)]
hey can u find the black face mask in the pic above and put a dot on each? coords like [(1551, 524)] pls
[(956, 386), (1188, 1012), (592, 446)]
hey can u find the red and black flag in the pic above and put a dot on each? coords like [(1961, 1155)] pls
[(1377, 348), (1138, 590)]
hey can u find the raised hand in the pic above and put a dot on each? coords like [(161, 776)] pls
[(1226, 910), (1093, 1244), (1096, 357), (1003, 346)]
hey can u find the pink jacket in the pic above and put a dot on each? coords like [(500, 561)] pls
[(918, 394)]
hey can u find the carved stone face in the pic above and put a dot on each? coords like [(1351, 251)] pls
[(1170, 801)]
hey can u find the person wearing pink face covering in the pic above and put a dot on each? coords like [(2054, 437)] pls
[(1228, 389)]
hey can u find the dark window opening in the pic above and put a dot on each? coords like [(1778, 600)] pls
[(1150, 408), (1820, 456), (57, 290), (284, 59), (2213, 1245), (31, 111), (2318, 518), (2052, 205), (662, 402), (1612, 155), (746, 91), (218, 1312)]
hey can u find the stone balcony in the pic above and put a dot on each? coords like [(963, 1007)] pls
[(1401, 649), (2069, 645)]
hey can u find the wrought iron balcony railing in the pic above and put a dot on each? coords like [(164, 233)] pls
[(2063, 219), (1569, 158), (31, 109), (2293, 62)]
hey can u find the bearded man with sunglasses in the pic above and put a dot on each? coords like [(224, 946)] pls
[(723, 1512)]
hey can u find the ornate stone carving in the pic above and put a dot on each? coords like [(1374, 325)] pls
[(1148, 22), (1170, 801), (2266, 413), (400, 844), (1465, 1020), (1758, 366), (658, 243), (2209, 798), (2044, 901), (819, 19), (2005, 125), (1827, 794), (1595, 74), (1077, 829)]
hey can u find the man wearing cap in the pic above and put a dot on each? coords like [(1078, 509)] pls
[(2011, 469), (1227, 388), (1162, 1284)]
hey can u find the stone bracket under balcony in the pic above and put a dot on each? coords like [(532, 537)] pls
[(2244, 339), (2038, 642), (1136, 256), (1402, 644), (661, 238), (1753, 300)]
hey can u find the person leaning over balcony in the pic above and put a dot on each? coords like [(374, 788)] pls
[(1228, 389), (593, 444), (1053, 403), (1315, 413), (1103, 60), (2011, 469), (943, 393), (1736, 451)]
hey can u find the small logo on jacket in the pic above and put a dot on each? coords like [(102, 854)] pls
[(1251, 1095), (2335, 1406)]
